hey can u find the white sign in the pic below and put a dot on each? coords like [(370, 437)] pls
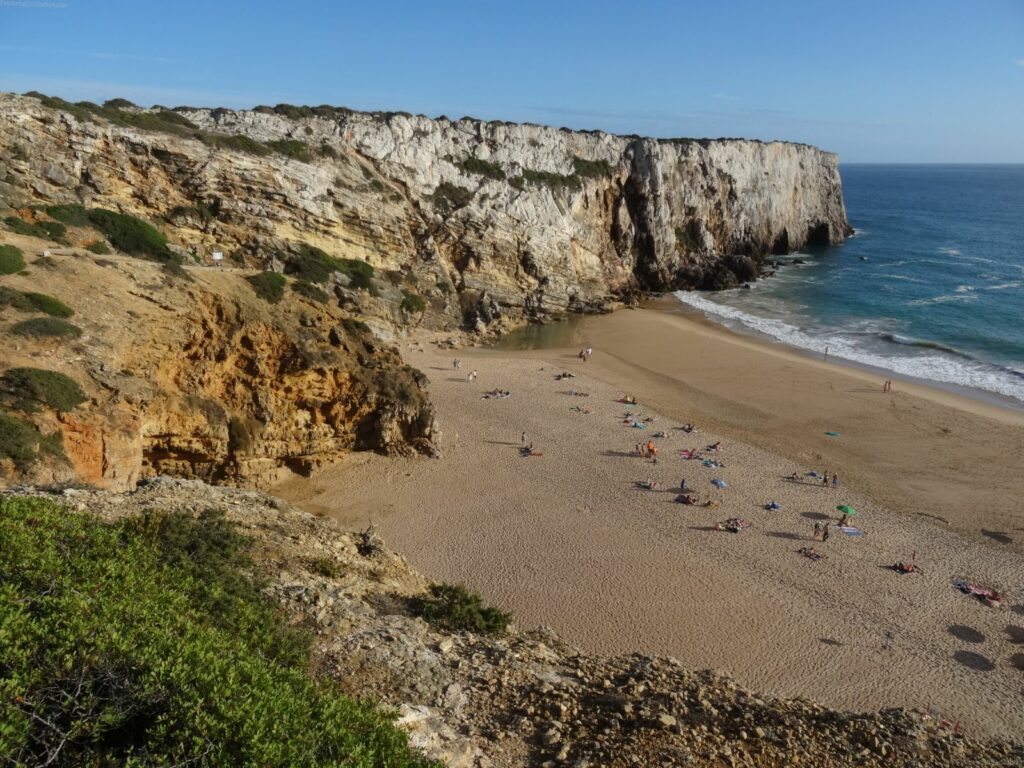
[(218, 256)]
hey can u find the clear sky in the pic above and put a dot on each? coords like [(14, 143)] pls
[(894, 81)]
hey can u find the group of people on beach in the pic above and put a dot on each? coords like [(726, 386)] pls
[(586, 353)]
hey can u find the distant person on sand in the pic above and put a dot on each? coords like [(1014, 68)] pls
[(817, 531), (472, 375), (590, 351), (639, 450), (523, 441), (456, 363), (825, 533), (835, 480)]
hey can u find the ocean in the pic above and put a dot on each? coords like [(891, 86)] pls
[(931, 285)]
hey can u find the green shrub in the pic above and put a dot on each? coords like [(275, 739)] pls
[(482, 168), (326, 566), (310, 291), (269, 286), (44, 230), (354, 326), (326, 150), (450, 196), (297, 150), (48, 305), (9, 297), (201, 212), (377, 186), (47, 327), (413, 303), (553, 180), (19, 442), (234, 142), (148, 642), (73, 215), (129, 234), (312, 265), (452, 606), (358, 272), (100, 248), (117, 104), (50, 388), (591, 168)]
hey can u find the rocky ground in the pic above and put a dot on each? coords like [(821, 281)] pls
[(526, 697)]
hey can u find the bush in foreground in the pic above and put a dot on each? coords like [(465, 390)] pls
[(452, 606), (47, 327), (50, 388), (146, 643), (11, 260)]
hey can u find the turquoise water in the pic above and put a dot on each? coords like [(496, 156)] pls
[(930, 286)]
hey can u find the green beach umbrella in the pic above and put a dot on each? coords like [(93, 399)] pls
[(847, 510)]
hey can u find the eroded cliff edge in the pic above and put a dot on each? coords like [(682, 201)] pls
[(491, 221)]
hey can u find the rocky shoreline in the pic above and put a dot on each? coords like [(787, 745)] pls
[(526, 697)]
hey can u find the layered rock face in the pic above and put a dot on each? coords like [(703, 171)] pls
[(202, 378), (494, 223)]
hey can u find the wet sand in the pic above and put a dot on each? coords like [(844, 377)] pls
[(569, 540)]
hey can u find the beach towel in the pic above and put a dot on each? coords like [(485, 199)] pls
[(833, 434), (638, 425), (849, 530)]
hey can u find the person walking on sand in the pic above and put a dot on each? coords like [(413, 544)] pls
[(523, 440), (825, 533), (456, 363), (835, 480), (817, 531), (590, 351)]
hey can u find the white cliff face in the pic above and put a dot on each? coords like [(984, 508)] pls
[(539, 220)]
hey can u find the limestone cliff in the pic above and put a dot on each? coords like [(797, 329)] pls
[(489, 221), (197, 376)]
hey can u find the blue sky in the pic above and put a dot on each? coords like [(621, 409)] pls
[(896, 81)]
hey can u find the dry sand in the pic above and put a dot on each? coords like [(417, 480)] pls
[(568, 540)]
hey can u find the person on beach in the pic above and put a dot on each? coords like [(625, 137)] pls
[(523, 440), (682, 484), (472, 375), (824, 479), (590, 351), (638, 450), (825, 533), (456, 363), (817, 531), (835, 480)]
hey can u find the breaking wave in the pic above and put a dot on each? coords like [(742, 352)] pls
[(904, 355)]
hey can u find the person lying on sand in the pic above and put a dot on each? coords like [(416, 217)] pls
[(715, 446), (649, 485), (687, 498), (811, 553)]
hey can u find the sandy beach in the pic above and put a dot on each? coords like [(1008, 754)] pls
[(569, 540)]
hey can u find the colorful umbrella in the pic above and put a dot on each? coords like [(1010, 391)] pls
[(846, 510)]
